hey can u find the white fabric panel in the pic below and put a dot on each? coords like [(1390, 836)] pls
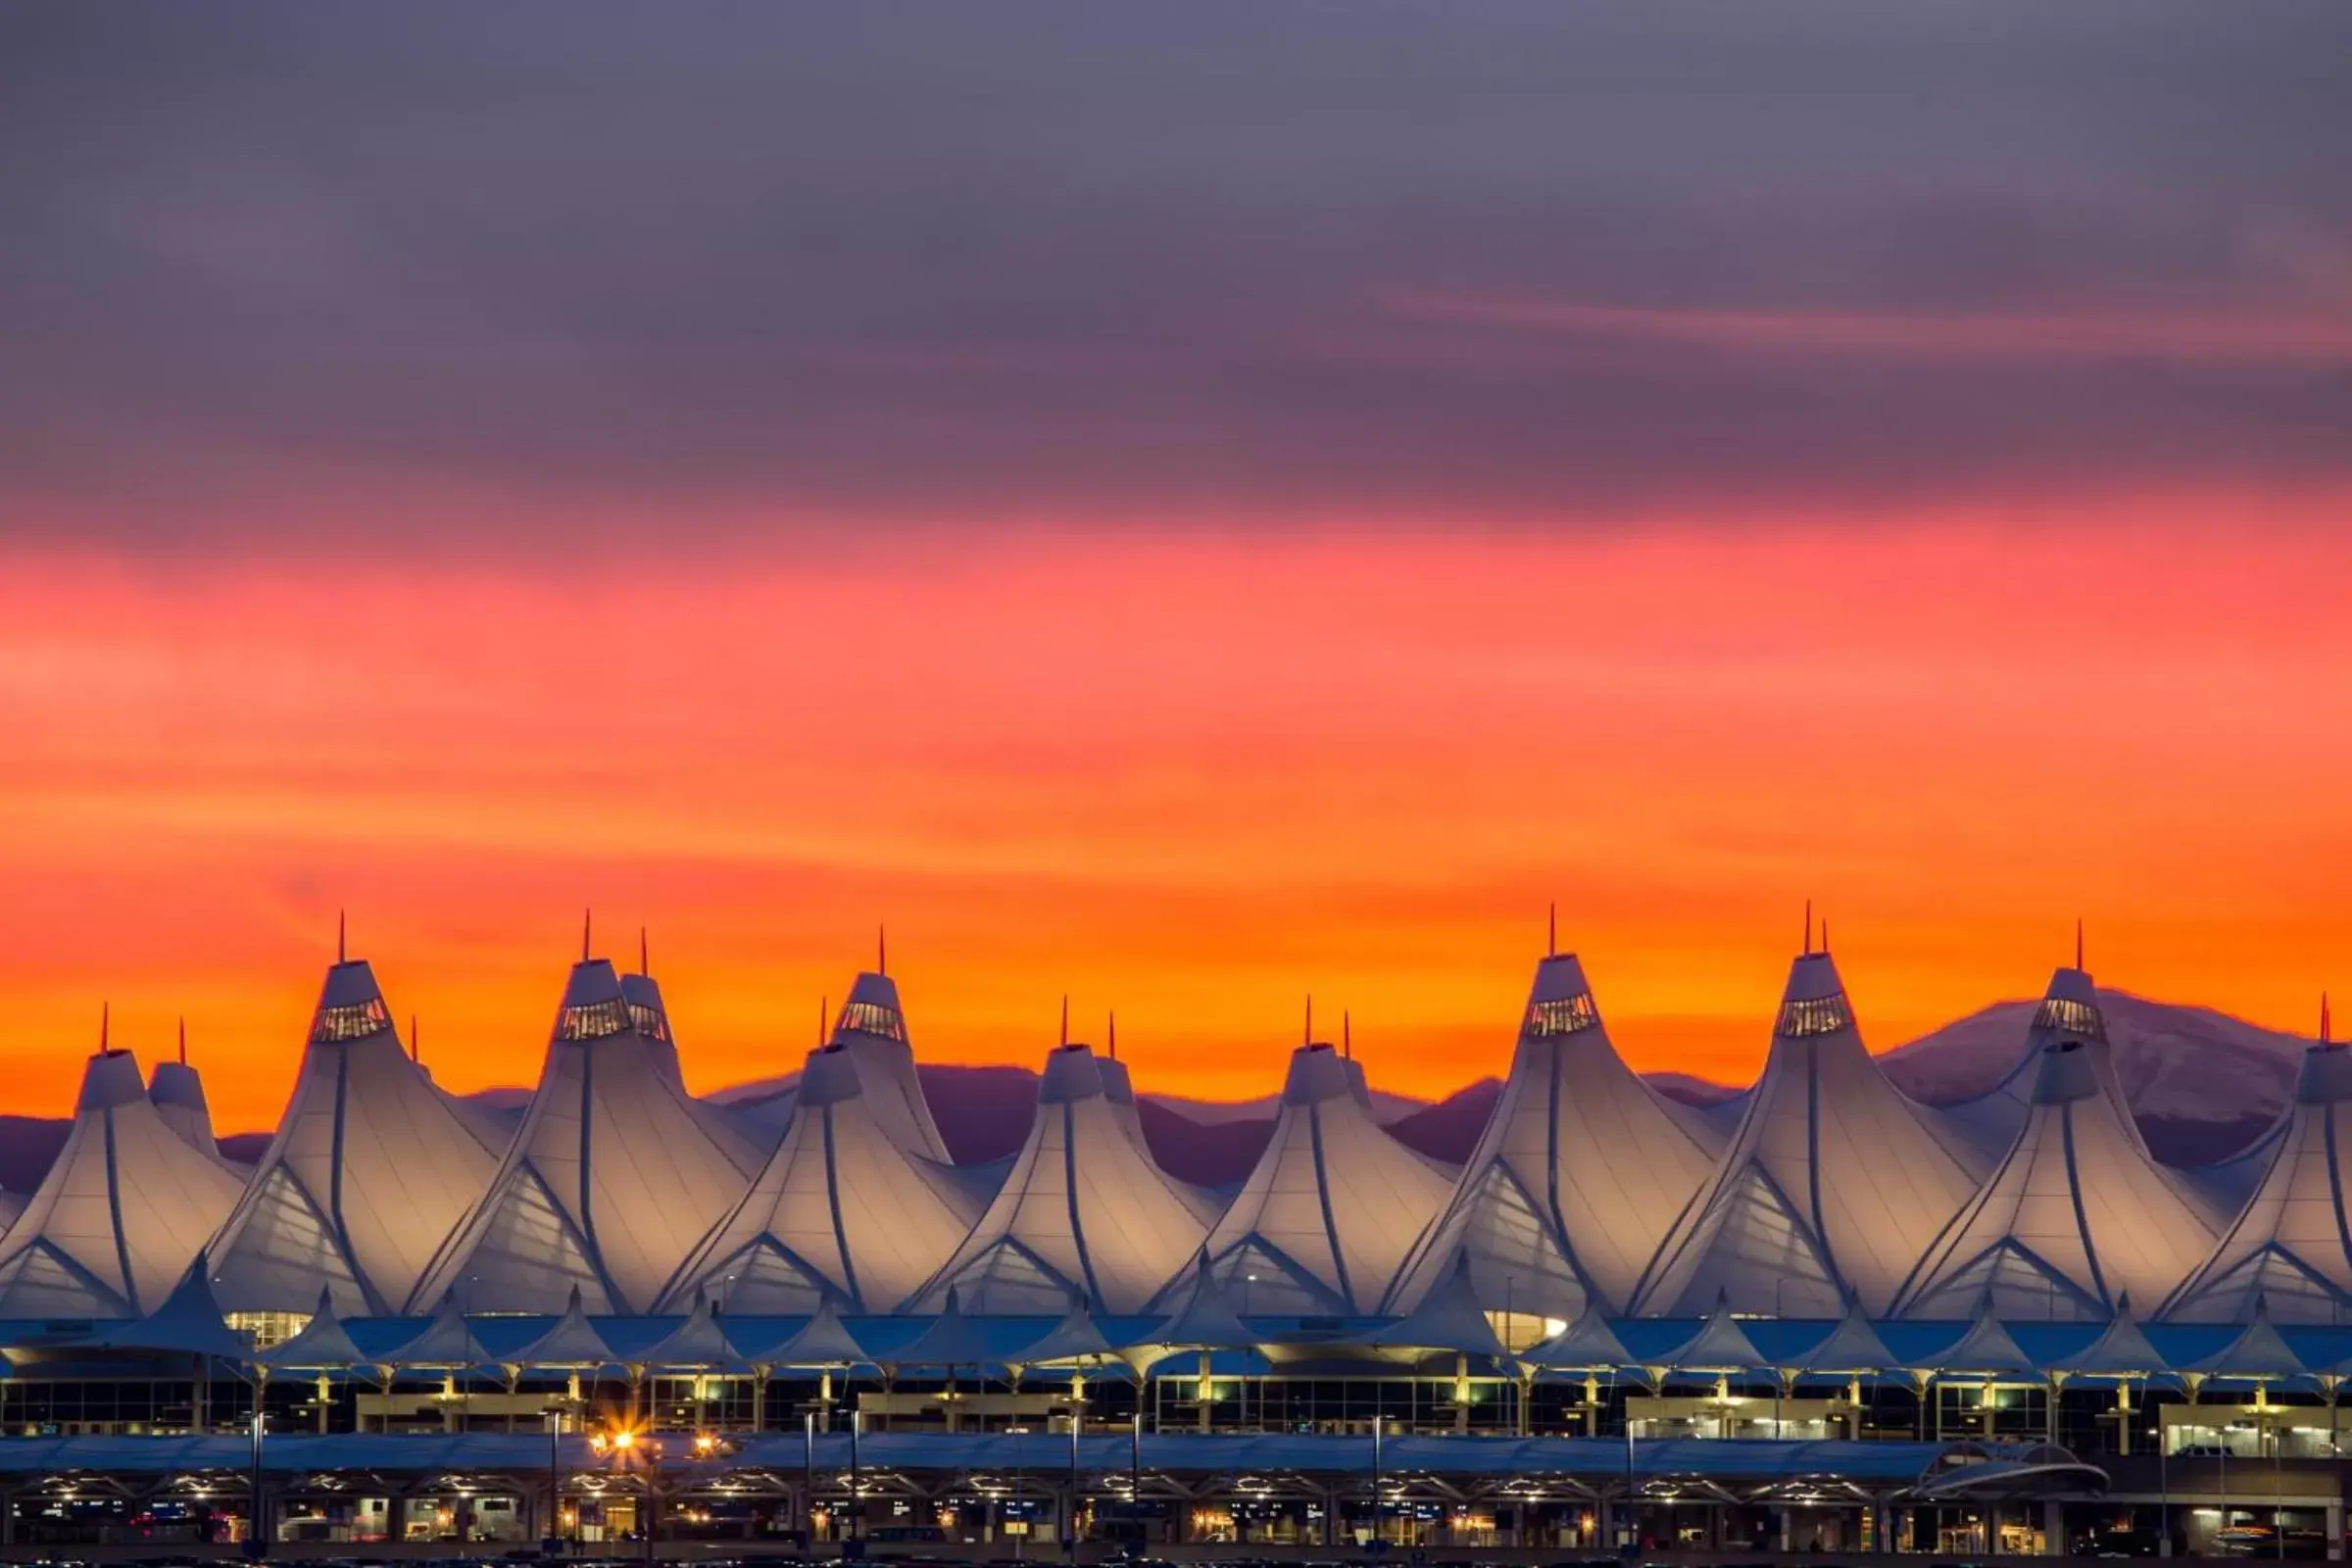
[(1578, 1176), (839, 1207), (1331, 1206), (370, 1170), (2292, 1240), (1833, 1182), (616, 1168), (1083, 1212), (122, 1212)]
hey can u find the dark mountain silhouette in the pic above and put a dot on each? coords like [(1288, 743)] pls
[(1448, 1129)]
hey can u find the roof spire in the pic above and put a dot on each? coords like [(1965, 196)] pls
[(1551, 931), (1825, 935), (2322, 1018), (183, 1042), (1346, 1035), (587, 918), (1808, 928), (881, 950), (643, 966), (105, 1012), (1065, 1018), (342, 926), (1114, 1034), (2078, 942), (415, 1040), (825, 1017), (1308, 1037)]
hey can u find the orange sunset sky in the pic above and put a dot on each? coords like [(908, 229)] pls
[(1181, 528)]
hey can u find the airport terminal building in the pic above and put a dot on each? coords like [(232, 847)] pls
[(1820, 1317)]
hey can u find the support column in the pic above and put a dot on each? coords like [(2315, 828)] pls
[(2335, 1530), (1461, 1392), (2053, 1528), (1207, 1389)]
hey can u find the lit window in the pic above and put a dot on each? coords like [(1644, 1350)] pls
[(868, 1018), (1815, 1015), (594, 1021), (269, 1329), (355, 1022), (649, 1021), (1565, 1016), (2070, 1018)]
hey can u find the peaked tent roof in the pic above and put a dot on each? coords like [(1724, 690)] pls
[(1082, 1212), (2289, 1247), (1332, 1205), (322, 1343), (1578, 1176), (872, 1028), (823, 1341), (699, 1341), (1076, 1341), (1449, 1318), (841, 1209), (447, 1341), (1852, 1346), (1588, 1345), (953, 1338), (2076, 1215), (188, 1319), (2122, 1349), (1986, 1348), (612, 1175), (1832, 1186), (1206, 1317), (10, 1205), (570, 1341), (2068, 1009), (126, 1206), (177, 1091), (372, 1167), (2259, 1353), (1721, 1345)]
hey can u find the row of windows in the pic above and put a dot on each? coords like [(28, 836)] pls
[(2069, 1017), (356, 1021), (1815, 1015), (869, 1018), (594, 1021), (1566, 1016), (650, 1023)]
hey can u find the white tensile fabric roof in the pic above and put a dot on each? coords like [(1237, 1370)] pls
[(840, 1211), (1989, 1124), (1834, 1182), (1581, 1170), (613, 1174), (126, 1206), (371, 1169), (1331, 1206), (1083, 1211), (177, 1091), (2075, 1216), (2288, 1245), (872, 1029)]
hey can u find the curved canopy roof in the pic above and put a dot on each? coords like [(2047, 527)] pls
[(841, 1209), (124, 1207), (1579, 1174), (1332, 1203), (2076, 1217), (1833, 1185), (370, 1170), (613, 1174), (2291, 1246), (1083, 1212)]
